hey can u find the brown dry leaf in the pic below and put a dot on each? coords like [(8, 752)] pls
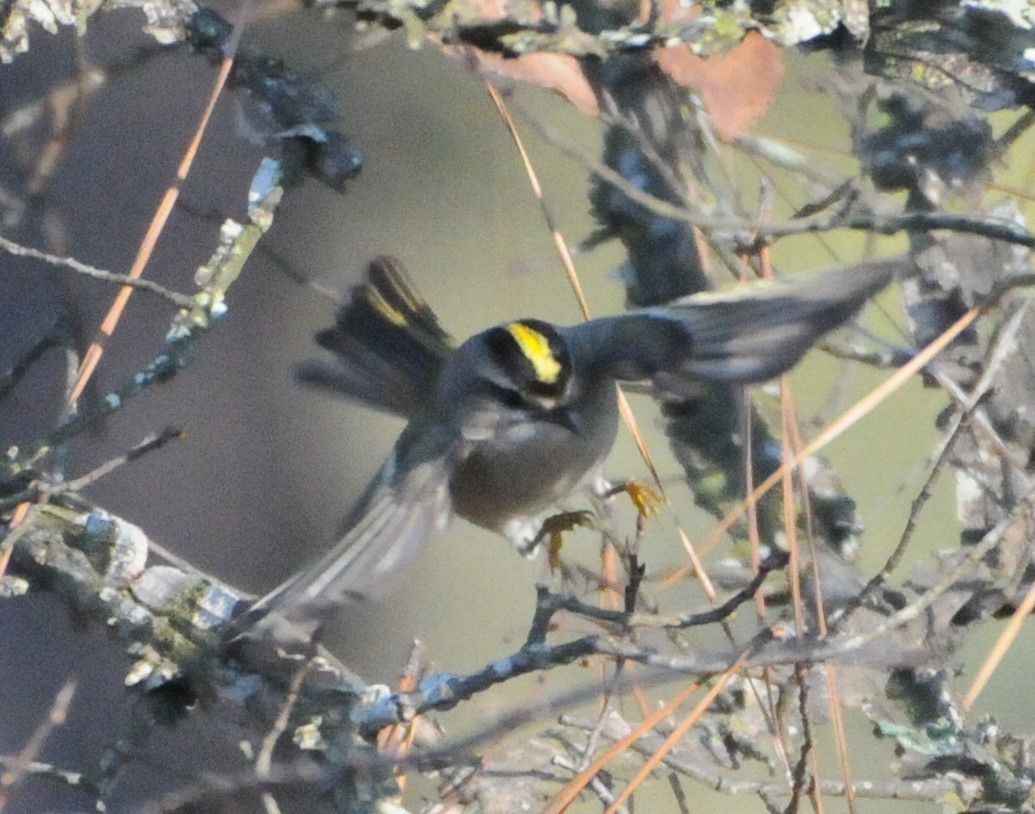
[(736, 88), (520, 12), (668, 11), (558, 72)]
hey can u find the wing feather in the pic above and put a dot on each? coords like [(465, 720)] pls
[(401, 508), (747, 335)]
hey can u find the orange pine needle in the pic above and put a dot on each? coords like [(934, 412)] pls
[(678, 732), (848, 419), (165, 207), (566, 796), (1002, 644), (576, 286)]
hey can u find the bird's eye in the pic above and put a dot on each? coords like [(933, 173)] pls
[(511, 398)]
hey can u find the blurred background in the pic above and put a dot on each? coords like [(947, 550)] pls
[(267, 470)]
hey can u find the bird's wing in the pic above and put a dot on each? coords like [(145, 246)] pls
[(388, 344), (749, 334), (404, 504)]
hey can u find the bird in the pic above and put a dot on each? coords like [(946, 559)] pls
[(507, 423)]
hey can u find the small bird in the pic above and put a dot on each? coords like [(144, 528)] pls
[(506, 424)]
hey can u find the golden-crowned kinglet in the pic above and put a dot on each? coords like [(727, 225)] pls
[(507, 423)]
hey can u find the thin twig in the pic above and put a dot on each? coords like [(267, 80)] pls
[(886, 223), (56, 717), (182, 300), (93, 354), (43, 491), (55, 337), (150, 444)]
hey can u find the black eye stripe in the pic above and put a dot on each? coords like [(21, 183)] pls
[(505, 395), (504, 350), (548, 391)]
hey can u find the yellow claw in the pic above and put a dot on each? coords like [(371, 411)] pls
[(553, 529), (644, 498)]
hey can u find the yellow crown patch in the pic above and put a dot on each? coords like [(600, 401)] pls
[(536, 349)]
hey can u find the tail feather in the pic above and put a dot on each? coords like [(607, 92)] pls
[(388, 344)]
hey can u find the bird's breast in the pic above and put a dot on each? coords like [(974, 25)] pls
[(527, 466)]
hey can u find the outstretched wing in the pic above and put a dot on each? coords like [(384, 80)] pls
[(404, 504), (388, 344), (750, 334)]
